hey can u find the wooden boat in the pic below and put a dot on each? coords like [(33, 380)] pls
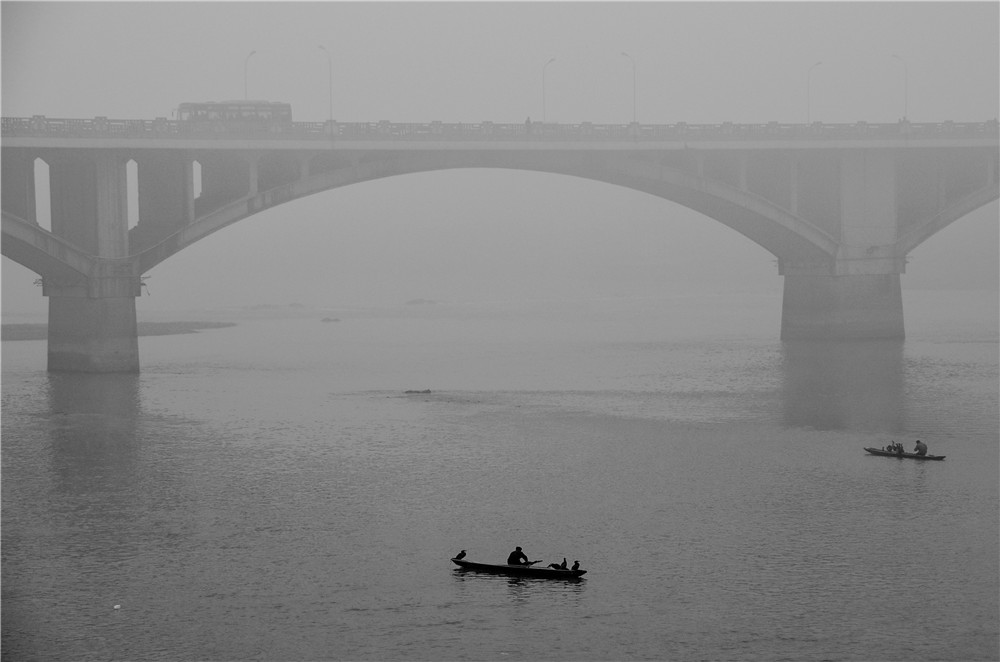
[(912, 456), (519, 570)]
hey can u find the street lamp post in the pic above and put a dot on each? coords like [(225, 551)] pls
[(544, 67), (245, 62), (635, 89), (906, 86), (329, 73), (809, 92)]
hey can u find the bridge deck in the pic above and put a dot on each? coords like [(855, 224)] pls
[(101, 132)]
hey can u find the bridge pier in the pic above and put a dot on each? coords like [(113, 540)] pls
[(856, 294), (92, 320), (93, 335), (851, 307)]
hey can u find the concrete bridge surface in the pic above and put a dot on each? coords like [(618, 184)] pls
[(839, 206)]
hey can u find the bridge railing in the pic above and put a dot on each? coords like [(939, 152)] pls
[(102, 127)]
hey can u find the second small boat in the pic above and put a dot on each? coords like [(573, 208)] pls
[(911, 456)]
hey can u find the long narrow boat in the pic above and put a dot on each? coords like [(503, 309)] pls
[(519, 570), (912, 456)]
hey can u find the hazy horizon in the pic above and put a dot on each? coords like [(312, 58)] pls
[(466, 235)]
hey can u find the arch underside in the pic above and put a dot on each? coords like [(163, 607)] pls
[(966, 205), (776, 230), (39, 250), (783, 234)]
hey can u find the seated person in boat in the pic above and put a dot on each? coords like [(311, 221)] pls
[(920, 448), (517, 557)]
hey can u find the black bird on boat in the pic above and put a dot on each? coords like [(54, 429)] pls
[(561, 566), (460, 555)]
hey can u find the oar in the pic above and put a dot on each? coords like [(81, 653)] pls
[(534, 562)]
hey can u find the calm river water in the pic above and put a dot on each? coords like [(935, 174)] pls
[(268, 491)]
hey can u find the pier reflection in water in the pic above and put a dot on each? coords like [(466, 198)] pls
[(846, 385), (95, 438)]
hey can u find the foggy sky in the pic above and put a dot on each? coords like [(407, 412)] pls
[(490, 234)]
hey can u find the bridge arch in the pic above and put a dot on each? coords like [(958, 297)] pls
[(41, 251), (840, 207), (924, 230), (773, 228)]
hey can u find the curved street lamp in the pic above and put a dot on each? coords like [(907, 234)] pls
[(245, 62), (635, 88), (809, 92), (544, 67), (329, 73), (906, 86)]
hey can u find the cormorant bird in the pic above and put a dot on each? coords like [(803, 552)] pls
[(460, 555), (576, 565), (562, 566)]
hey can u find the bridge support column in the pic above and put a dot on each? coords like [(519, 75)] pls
[(166, 198), (19, 184), (852, 307), (225, 177), (857, 294), (92, 322), (93, 335)]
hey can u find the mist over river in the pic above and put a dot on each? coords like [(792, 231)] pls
[(269, 491)]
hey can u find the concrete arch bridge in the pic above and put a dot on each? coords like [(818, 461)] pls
[(839, 206)]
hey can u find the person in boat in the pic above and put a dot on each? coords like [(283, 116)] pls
[(517, 557), (920, 448)]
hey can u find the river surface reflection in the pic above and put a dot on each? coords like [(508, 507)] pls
[(269, 490)]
